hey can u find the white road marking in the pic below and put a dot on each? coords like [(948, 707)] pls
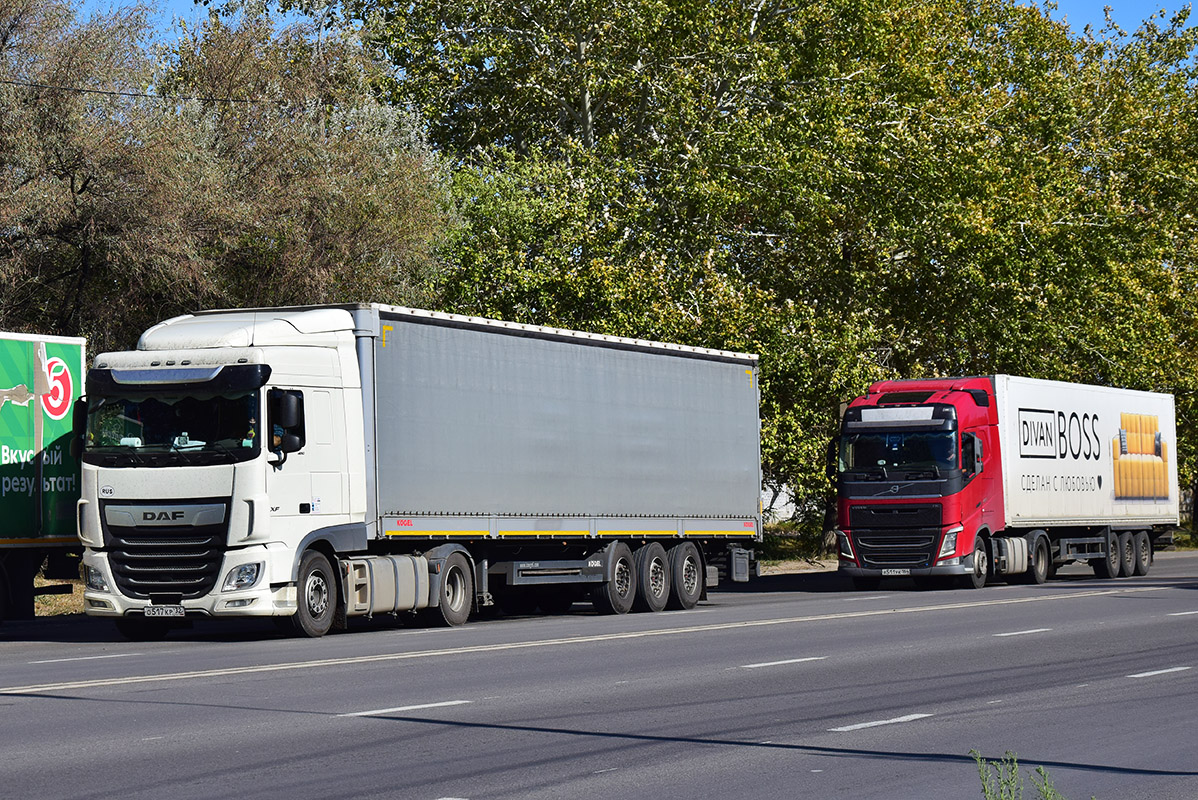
[(397, 709), (1023, 633), (780, 663), (84, 658), (876, 723), (601, 771), (1158, 672), (993, 702), (1182, 613), (454, 652)]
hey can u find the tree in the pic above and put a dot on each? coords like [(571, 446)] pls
[(855, 190), (235, 167)]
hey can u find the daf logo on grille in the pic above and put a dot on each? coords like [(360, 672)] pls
[(132, 516), (161, 516)]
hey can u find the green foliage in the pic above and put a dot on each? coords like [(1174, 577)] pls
[(853, 190), (270, 176), (1001, 780)]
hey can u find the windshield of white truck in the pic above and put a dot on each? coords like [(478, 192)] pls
[(169, 430), (898, 455)]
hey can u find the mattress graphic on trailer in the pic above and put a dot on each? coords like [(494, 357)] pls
[(1140, 458)]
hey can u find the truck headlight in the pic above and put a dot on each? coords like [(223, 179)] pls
[(94, 579), (949, 545), (846, 547), (242, 577)]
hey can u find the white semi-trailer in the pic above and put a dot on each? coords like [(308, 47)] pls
[(313, 464), (980, 477)]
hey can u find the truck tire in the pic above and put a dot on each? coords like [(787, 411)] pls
[(1127, 555), (1108, 566), (617, 595), (686, 576), (1040, 563), (653, 578), (140, 629), (455, 599), (981, 566), (316, 596), (1143, 547)]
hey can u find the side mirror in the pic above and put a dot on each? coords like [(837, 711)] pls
[(286, 409), (290, 443)]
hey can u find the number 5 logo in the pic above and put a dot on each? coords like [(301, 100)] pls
[(57, 402)]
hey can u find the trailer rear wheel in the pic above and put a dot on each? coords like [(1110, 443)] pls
[(1143, 548), (653, 578), (981, 566), (1127, 555), (1108, 566), (617, 595), (686, 576), (316, 599), (456, 597)]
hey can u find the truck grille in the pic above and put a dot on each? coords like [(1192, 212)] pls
[(166, 561), (896, 536)]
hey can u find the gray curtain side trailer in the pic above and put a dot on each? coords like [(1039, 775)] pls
[(535, 467)]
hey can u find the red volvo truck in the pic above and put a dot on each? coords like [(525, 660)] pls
[(971, 479)]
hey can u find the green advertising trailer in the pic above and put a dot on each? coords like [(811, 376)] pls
[(40, 379)]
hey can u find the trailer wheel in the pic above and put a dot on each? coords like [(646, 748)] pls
[(617, 595), (456, 597), (1108, 566), (981, 566), (1127, 555), (1041, 566), (1143, 547), (686, 576), (316, 599), (653, 578), (140, 629)]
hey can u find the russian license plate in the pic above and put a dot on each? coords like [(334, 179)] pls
[(165, 611), (894, 573)]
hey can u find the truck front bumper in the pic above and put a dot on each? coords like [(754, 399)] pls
[(963, 566), (263, 599)]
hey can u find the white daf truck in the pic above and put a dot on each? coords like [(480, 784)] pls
[(318, 463)]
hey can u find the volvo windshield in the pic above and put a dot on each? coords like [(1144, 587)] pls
[(173, 429), (898, 455)]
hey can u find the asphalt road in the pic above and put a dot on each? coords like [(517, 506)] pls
[(791, 688)]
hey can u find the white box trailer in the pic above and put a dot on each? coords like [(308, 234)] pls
[(1074, 454), (410, 460)]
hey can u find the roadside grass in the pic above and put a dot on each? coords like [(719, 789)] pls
[(1001, 779), (52, 605), (790, 541)]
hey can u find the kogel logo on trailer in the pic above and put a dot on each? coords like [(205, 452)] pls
[(1045, 433)]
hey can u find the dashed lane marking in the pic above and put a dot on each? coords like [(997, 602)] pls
[(879, 723), (399, 709)]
